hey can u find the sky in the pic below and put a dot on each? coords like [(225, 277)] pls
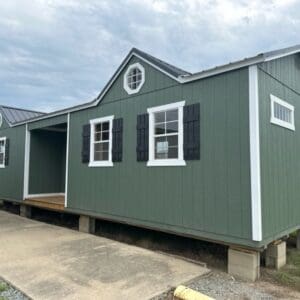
[(59, 53)]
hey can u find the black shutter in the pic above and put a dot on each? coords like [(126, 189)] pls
[(117, 140), (86, 138), (6, 152), (191, 135), (142, 148)]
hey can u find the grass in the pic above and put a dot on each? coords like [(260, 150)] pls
[(3, 287), (289, 275)]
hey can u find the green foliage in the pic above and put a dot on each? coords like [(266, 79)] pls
[(3, 287)]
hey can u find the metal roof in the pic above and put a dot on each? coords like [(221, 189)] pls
[(15, 115), (173, 72)]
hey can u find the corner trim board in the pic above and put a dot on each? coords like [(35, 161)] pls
[(256, 213), (67, 161), (26, 163)]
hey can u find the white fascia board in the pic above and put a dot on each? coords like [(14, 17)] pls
[(272, 57), (255, 175), (180, 79), (96, 102)]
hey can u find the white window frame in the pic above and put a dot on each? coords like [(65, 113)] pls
[(3, 164), (152, 162), (105, 163), (128, 89), (277, 121), (1, 119)]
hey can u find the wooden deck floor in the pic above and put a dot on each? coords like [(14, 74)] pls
[(51, 202)]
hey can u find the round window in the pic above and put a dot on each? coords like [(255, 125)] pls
[(134, 78)]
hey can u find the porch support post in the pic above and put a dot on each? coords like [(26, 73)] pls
[(276, 255), (25, 211), (244, 264), (86, 224)]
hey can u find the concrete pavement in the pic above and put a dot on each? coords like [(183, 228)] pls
[(51, 262)]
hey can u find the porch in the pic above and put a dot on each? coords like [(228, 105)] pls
[(55, 202), (46, 163)]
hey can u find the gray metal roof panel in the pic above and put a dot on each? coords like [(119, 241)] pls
[(15, 115), (174, 71)]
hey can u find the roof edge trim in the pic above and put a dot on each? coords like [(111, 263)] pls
[(180, 79)]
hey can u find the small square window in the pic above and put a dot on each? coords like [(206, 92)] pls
[(282, 113)]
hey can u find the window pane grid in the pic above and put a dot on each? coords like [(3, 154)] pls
[(101, 141), (134, 78), (166, 134)]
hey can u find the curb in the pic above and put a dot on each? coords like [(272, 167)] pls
[(184, 293)]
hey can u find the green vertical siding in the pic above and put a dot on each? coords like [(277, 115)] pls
[(11, 177), (4, 122), (48, 122), (209, 198), (280, 148), (47, 162)]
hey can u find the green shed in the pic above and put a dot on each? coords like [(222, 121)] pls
[(210, 155)]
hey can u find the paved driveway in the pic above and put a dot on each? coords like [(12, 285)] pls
[(51, 262)]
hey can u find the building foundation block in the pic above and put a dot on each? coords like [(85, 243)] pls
[(276, 255), (244, 264), (25, 211), (87, 224)]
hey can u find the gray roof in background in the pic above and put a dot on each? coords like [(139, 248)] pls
[(14, 115)]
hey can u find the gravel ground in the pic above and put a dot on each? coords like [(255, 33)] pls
[(221, 286), (7, 292)]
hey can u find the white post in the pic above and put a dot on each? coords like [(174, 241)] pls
[(26, 163), (67, 161)]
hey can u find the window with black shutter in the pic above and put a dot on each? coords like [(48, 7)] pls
[(86, 140), (166, 135), (101, 141), (142, 148), (191, 132), (2, 151), (6, 160), (117, 146)]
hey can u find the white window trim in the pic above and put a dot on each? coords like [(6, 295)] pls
[(152, 162), (109, 162), (125, 83), (2, 166), (279, 122), (1, 119)]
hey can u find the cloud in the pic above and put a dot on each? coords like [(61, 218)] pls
[(58, 53)]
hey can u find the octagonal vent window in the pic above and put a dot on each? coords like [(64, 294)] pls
[(134, 78)]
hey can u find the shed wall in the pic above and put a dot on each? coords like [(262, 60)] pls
[(11, 177), (209, 198), (280, 148)]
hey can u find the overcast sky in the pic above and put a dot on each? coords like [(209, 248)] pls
[(58, 53)]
